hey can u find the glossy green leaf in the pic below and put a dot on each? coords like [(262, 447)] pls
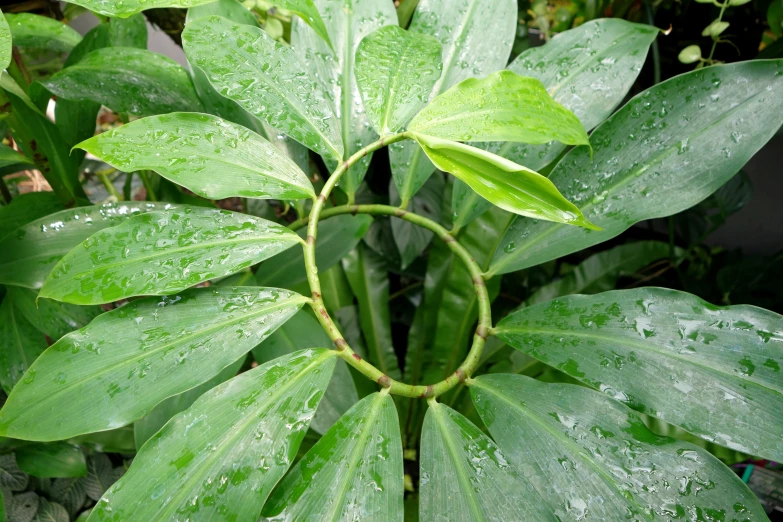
[(411, 239), (162, 253), (590, 457), (265, 78), (395, 72), (507, 185), (713, 371), (308, 13), (9, 156), (353, 472), (501, 107), (230, 9), (369, 280), (51, 318), (465, 477), (58, 459), (25, 208), (348, 22), (20, 344), (666, 150), (5, 43), (41, 32), (147, 426), (126, 361), (252, 426), (126, 8), (28, 254), (127, 79), (189, 149), (119, 440), (476, 38), (336, 237), (128, 32)]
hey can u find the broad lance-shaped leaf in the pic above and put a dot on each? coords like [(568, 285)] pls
[(20, 344), (466, 478), (592, 458), (51, 318), (476, 38), (25, 208), (41, 32), (5, 43), (162, 253), (308, 13), (222, 457), (191, 149), (347, 22), (117, 368), (9, 156), (395, 73), (266, 78), (353, 472), (28, 254), (667, 149), (713, 371), (126, 8), (58, 459), (501, 107), (127, 79), (505, 184)]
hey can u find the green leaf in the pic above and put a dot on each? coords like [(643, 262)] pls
[(128, 32), (5, 43), (147, 426), (29, 254), (347, 22), (355, 470), (690, 54), (51, 318), (336, 237), (9, 156), (715, 28), (252, 425), (501, 107), (23, 507), (20, 344), (713, 371), (41, 32), (25, 208), (476, 38), (126, 361), (308, 13), (70, 493), (162, 253), (100, 476), (189, 148), (119, 440), (395, 72), (126, 8), (505, 184), (230, 9), (369, 280), (51, 512), (411, 240), (11, 477), (58, 459), (465, 477), (667, 149), (589, 456), (265, 78), (141, 82)]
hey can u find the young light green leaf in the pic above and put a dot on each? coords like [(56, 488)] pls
[(126, 8), (30, 30), (189, 149), (395, 72), (162, 253), (465, 477), (715, 28), (5, 43), (20, 344), (58, 459), (266, 78), (586, 454), (505, 184), (690, 54), (724, 115), (252, 427), (51, 318), (127, 79), (713, 371), (117, 368), (308, 13), (29, 253), (501, 107), (354, 471)]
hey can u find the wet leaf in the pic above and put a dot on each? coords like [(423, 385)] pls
[(395, 73), (51, 318), (189, 148), (20, 344), (231, 9), (252, 427), (25, 208), (5, 43), (667, 149), (713, 371), (505, 184), (127, 79), (354, 471), (126, 8), (465, 477), (58, 459), (590, 457), (308, 13), (265, 78), (41, 32), (29, 253), (117, 368), (163, 252)]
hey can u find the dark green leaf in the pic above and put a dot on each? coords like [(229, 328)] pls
[(162, 253), (11, 477), (9, 156), (50, 317), (23, 507), (100, 476), (353, 472), (119, 440), (51, 512), (713, 371), (41, 32), (25, 208), (117, 368), (58, 459), (70, 493), (20, 344), (252, 427), (411, 240)]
